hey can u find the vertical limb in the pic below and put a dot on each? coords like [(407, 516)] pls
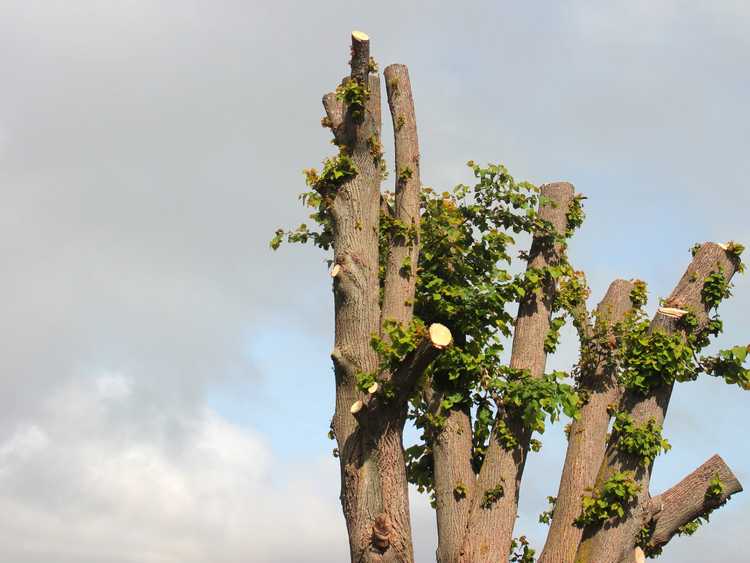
[(403, 251), (490, 528), (587, 436)]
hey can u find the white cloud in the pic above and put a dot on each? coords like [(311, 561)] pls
[(73, 488)]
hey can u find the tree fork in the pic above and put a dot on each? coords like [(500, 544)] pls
[(615, 542)]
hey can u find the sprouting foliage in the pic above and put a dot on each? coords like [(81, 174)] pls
[(520, 551), (325, 184), (641, 440), (354, 94), (715, 489), (532, 399), (491, 496), (654, 358), (460, 491), (716, 288), (546, 516), (639, 294), (610, 501), (729, 365)]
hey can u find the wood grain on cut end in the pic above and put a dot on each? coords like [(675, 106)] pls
[(440, 336)]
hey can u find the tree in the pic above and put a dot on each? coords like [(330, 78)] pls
[(423, 291)]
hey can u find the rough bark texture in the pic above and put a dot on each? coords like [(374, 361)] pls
[(587, 436), (490, 529), (369, 426), (451, 451), (614, 541), (687, 499), (373, 480), (400, 281)]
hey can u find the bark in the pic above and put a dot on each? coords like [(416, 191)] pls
[(373, 480), (587, 437), (615, 540), (490, 530), (687, 500), (400, 281), (454, 482)]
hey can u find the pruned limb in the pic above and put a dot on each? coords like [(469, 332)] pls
[(437, 339), (334, 111), (373, 476), (588, 435), (490, 529), (688, 499), (614, 543), (360, 61), (403, 248)]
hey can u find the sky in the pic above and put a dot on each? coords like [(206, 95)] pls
[(165, 381)]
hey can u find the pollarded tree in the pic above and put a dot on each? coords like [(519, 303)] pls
[(423, 287)]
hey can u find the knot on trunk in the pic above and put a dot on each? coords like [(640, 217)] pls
[(381, 532)]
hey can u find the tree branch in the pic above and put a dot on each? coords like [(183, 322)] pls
[(688, 500), (612, 543), (437, 339), (588, 434), (490, 528), (403, 252)]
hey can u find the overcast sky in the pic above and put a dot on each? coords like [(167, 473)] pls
[(165, 386)]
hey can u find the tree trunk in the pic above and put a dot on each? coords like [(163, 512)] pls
[(490, 528), (587, 437)]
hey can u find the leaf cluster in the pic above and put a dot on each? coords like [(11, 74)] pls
[(521, 551), (644, 441), (354, 95), (615, 495)]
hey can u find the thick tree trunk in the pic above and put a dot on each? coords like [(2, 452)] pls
[(615, 540), (490, 528), (587, 436)]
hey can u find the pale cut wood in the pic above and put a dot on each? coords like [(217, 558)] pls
[(440, 336)]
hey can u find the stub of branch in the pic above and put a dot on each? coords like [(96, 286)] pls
[(440, 336), (437, 339), (360, 61), (672, 312), (372, 389), (639, 556), (688, 499), (335, 269), (334, 111)]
